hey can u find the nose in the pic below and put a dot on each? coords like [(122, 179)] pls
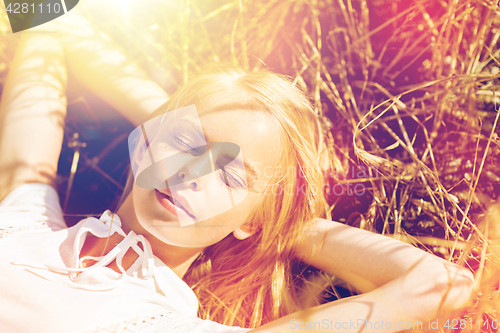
[(191, 173)]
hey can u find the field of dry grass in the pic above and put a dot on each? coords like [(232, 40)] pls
[(408, 94)]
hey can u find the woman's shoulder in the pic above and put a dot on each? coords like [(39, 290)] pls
[(33, 206)]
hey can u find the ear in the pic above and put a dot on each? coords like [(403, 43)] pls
[(245, 231)]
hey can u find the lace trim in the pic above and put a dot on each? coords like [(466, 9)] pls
[(14, 220), (135, 324), (170, 322), (10, 230)]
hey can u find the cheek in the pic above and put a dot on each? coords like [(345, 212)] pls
[(235, 216), (139, 196), (142, 206), (242, 211), (215, 198)]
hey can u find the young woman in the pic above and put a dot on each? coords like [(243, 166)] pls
[(239, 198)]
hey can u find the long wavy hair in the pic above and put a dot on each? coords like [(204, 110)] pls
[(249, 282)]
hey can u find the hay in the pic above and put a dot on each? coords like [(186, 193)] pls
[(410, 88)]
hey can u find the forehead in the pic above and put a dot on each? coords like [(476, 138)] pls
[(256, 133)]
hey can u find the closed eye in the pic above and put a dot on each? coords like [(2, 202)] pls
[(231, 181), (183, 144)]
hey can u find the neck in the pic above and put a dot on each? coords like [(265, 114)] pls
[(177, 258)]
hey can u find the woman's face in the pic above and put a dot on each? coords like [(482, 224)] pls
[(200, 179)]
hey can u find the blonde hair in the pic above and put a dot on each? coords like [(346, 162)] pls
[(249, 282)]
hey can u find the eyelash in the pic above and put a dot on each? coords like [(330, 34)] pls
[(233, 182), (180, 141)]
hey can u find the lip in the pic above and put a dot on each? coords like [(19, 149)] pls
[(178, 207)]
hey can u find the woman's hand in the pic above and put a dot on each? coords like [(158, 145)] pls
[(403, 284), (102, 66), (364, 259)]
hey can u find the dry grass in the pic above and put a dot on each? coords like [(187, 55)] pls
[(410, 88)]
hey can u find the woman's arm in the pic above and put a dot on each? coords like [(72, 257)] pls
[(365, 259), (404, 285), (32, 112), (103, 68), (33, 104)]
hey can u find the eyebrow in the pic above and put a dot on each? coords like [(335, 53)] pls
[(249, 169)]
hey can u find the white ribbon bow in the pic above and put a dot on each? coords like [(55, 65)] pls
[(98, 276)]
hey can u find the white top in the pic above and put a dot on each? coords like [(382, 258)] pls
[(43, 287)]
